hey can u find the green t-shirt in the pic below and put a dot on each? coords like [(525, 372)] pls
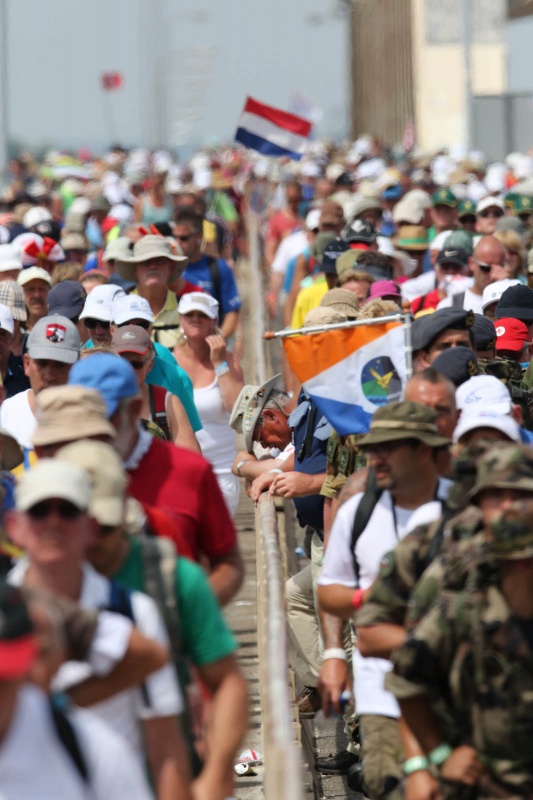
[(205, 634)]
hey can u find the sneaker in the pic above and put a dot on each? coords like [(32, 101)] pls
[(338, 764), (308, 702)]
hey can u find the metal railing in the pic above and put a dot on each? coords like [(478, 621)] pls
[(282, 754)]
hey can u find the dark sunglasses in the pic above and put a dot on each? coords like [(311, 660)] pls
[(136, 364), (92, 324), (183, 238), (486, 267), (142, 323), (43, 510), (491, 212), (107, 530)]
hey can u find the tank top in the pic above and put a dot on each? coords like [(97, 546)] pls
[(153, 214), (216, 439)]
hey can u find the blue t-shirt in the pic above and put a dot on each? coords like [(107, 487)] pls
[(200, 274)]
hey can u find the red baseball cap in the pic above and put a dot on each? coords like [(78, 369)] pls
[(511, 334)]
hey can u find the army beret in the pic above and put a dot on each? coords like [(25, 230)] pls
[(458, 364), (428, 327), (484, 333)]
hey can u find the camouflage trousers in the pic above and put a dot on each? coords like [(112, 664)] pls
[(382, 756)]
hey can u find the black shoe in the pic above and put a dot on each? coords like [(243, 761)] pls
[(354, 778), (308, 702), (338, 764)]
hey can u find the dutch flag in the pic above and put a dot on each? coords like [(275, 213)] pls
[(271, 131)]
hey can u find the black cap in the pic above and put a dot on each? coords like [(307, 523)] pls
[(458, 364), (66, 298), (48, 227), (344, 179), (330, 255), (428, 327), (453, 255), (517, 302), (483, 332), (360, 232)]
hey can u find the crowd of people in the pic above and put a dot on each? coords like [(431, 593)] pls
[(122, 397)]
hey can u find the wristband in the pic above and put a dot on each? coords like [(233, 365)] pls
[(222, 369), (440, 754), (357, 599), (334, 652), (276, 471), (415, 764), (239, 467)]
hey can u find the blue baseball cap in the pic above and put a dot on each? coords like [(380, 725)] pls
[(67, 298), (111, 375)]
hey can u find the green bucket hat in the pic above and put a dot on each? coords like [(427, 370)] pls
[(404, 420), (510, 536), (412, 237), (444, 197), (505, 466)]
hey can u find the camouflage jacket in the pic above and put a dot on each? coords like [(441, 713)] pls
[(517, 380), (472, 655), (343, 458), (411, 575)]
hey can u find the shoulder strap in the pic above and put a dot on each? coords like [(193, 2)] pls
[(68, 738), (214, 271), (120, 600), (458, 300), (159, 569), (362, 516), (158, 415)]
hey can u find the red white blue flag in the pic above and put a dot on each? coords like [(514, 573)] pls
[(271, 131)]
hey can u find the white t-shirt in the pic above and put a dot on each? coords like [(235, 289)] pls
[(17, 418), (35, 764), (123, 711), (289, 247), (471, 302), (216, 439), (416, 287), (386, 527)]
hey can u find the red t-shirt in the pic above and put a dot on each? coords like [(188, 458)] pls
[(182, 483), (280, 224)]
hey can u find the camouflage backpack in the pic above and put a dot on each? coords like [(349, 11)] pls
[(511, 374)]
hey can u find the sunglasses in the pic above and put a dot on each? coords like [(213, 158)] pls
[(486, 267), (142, 323), (494, 212), (42, 510), (183, 238), (92, 324), (136, 364), (106, 530)]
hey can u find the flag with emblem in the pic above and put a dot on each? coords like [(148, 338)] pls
[(350, 372)]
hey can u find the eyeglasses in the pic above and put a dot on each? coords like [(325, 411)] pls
[(491, 212), (142, 323), (486, 267), (42, 510), (92, 324), (258, 428), (183, 238)]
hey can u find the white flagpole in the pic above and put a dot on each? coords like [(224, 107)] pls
[(351, 323)]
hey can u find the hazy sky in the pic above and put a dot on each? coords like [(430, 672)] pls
[(209, 55)]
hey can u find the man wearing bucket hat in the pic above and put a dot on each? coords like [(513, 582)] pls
[(483, 639), (154, 264), (401, 446)]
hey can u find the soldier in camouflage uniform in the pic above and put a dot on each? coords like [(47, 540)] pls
[(464, 677)]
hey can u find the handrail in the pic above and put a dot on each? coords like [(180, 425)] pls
[(282, 756)]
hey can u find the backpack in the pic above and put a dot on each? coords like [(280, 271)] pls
[(214, 272), (158, 411), (365, 509)]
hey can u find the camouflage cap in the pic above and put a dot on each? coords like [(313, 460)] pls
[(404, 420), (505, 466), (510, 535)]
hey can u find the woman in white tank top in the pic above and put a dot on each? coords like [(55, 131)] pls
[(217, 380)]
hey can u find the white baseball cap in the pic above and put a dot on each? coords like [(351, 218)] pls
[(486, 419), (33, 274), (440, 240), (489, 202), (100, 302), (6, 320), (52, 478), (129, 307), (199, 301), (483, 393), (35, 215), (312, 220), (9, 258), (493, 292)]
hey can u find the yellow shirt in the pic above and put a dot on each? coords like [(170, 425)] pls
[(307, 299), (166, 322)]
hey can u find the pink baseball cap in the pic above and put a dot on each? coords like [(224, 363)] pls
[(384, 289)]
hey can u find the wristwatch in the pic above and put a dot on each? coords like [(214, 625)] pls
[(239, 466)]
